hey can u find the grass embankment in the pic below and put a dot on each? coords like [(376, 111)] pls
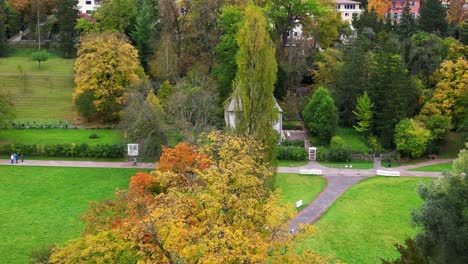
[(363, 225), (38, 94), (42, 205), (295, 187), (436, 167), (59, 136)]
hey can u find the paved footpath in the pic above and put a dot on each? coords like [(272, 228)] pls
[(340, 180), (83, 164)]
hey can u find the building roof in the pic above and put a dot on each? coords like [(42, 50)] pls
[(347, 2), (234, 104)]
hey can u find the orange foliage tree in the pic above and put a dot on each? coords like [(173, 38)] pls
[(379, 6)]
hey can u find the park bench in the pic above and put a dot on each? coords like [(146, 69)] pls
[(387, 173), (310, 172)]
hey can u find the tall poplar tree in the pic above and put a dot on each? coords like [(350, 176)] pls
[(432, 17), (142, 35), (3, 20), (67, 14), (255, 79)]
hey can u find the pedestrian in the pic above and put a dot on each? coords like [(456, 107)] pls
[(22, 157), (16, 157), (12, 157)]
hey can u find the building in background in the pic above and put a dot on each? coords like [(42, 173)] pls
[(397, 6), (88, 6), (347, 9)]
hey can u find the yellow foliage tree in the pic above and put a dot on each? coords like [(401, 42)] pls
[(379, 6), (451, 87), (228, 216), (106, 65)]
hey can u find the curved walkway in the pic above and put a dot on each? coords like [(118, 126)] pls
[(340, 180)]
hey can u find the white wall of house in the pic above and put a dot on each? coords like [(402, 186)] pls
[(88, 6)]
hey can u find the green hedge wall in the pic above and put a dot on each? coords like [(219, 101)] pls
[(66, 150)]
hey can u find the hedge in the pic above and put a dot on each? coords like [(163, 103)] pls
[(291, 153), (66, 150)]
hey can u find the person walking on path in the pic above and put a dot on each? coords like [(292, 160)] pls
[(12, 157), (16, 157), (22, 157)]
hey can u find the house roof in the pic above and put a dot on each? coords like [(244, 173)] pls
[(234, 104), (347, 2)]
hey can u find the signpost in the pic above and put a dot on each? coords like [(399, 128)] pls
[(133, 152)]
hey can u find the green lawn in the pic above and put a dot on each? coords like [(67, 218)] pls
[(357, 165), (352, 139), (291, 163), (39, 94), (436, 167), (296, 187), (59, 136), (42, 205), (363, 225)]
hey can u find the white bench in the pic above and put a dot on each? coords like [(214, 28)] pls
[(387, 173), (310, 172)]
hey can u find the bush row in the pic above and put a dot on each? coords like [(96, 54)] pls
[(291, 153), (66, 150)]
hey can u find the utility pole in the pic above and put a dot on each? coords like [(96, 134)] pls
[(38, 26)]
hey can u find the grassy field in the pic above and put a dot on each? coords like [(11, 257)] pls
[(363, 225), (59, 136), (296, 187), (357, 165), (436, 167), (291, 163), (38, 94), (41, 205), (352, 139)]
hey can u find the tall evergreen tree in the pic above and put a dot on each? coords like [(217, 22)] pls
[(432, 17), (352, 80), (255, 79), (3, 20), (406, 27), (393, 93), (67, 14), (142, 35), (320, 115)]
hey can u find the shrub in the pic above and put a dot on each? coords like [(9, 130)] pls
[(66, 150), (297, 143), (93, 136), (291, 153), (411, 137), (338, 150)]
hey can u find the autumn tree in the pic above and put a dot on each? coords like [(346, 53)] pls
[(320, 115), (326, 26), (432, 17), (379, 6), (452, 85), (363, 113), (327, 65), (106, 65), (255, 79), (143, 123), (411, 137), (456, 12), (67, 14)]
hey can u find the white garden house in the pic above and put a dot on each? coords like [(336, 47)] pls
[(234, 106)]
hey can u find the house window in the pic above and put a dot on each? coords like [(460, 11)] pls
[(413, 3), (395, 15), (413, 15), (295, 34), (88, 2), (97, 2), (394, 4), (346, 14)]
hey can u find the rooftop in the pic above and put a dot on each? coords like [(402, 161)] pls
[(347, 2)]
